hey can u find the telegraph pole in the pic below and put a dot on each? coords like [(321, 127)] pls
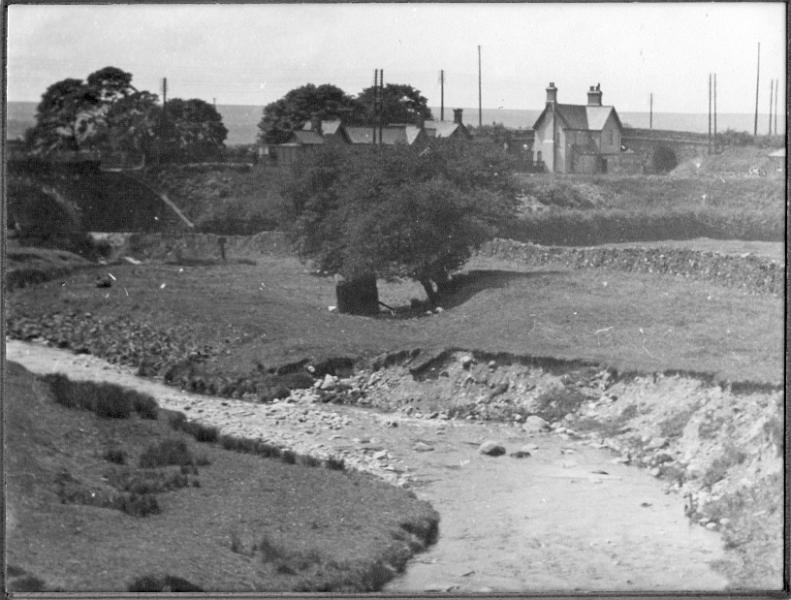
[(162, 117), (480, 110), (442, 95), (708, 137), (381, 102), (777, 84), (757, 79), (651, 110), (715, 113), (376, 106), (771, 102)]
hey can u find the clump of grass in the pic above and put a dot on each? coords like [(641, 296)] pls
[(556, 403), (167, 452), (199, 431), (167, 583), (137, 505), (309, 461), (336, 464), (150, 481), (731, 456), (289, 457), (115, 455), (28, 583), (105, 399), (673, 427)]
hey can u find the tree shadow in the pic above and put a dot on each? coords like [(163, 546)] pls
[(464, 286)]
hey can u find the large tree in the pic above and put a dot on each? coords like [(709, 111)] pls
[(401, 103), (107, 113), (397, 213), (192, 130), (74, 114), (298, 106)]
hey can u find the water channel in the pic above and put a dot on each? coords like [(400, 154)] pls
[(569, 517)]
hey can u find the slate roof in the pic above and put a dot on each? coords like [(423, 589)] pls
[(300, 136), (581, 116), (327, 127), (442, 129), (391, 134)]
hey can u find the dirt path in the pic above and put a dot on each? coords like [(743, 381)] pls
[(567, 517)]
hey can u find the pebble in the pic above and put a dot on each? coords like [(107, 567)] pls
[(422, 447), (491, 448)]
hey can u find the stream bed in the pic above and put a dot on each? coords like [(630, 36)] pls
[(568, 517)]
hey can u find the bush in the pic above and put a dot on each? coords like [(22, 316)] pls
[(168, 583), (115, 455), (167, 452)]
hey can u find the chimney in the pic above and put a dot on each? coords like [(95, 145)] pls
[(552, 93), (457, 115), (594, 95)]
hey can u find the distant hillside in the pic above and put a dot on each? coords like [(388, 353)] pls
[(242, 120)]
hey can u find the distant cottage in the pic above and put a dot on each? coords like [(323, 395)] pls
[(577, 138), (316, 134)]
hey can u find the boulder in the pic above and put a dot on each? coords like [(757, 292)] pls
[(422, 447), (491, 448), (535, 424)]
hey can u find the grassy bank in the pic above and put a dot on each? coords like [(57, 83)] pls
[(233, 327), (121, 501)]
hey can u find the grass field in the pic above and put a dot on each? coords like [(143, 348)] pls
[(237, 522), (246, 318)]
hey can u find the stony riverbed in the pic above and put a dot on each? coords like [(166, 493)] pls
[(511, 522)]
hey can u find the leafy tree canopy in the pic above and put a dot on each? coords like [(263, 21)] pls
[(399, 213), (107, 113), (298, 106), (193, 130), (401, 103)]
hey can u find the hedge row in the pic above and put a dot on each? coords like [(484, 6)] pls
[(753, 273), (588, 227)]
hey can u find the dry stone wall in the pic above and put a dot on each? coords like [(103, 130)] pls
[(753, 273)]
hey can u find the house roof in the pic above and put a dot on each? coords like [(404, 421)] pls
[(327, 127), (581, 116), (300, 136), (442, 129), (391, 134)]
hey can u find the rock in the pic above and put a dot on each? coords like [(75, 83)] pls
[(535, 424), (711, 525), (491, 448), (422, 447), (329, 382), (466, 361), (656, 443), (520, 454)]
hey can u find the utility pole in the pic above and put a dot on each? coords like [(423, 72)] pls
[(381, 103), (376, 106), (708, 137), (715, 113), (777, 84), (480, 110), (771, 102), (442, 95), (162, 118), (757, 79), (651, 110)]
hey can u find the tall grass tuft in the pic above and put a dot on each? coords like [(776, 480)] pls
[(167, 452)]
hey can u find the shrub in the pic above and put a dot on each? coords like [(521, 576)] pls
[(167, 452), (143, 404), (336, 464), (137, 505), (168, 583), (115, 455), (108, 400), (289, 457), (556, 403)]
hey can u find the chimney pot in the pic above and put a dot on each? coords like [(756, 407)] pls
[(594, 96), (457, 115), (552, 93)]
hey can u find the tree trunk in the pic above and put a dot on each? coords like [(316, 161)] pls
[(358, 296), (432, 295)]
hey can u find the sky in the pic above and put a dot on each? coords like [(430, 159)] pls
[(254, 54)]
